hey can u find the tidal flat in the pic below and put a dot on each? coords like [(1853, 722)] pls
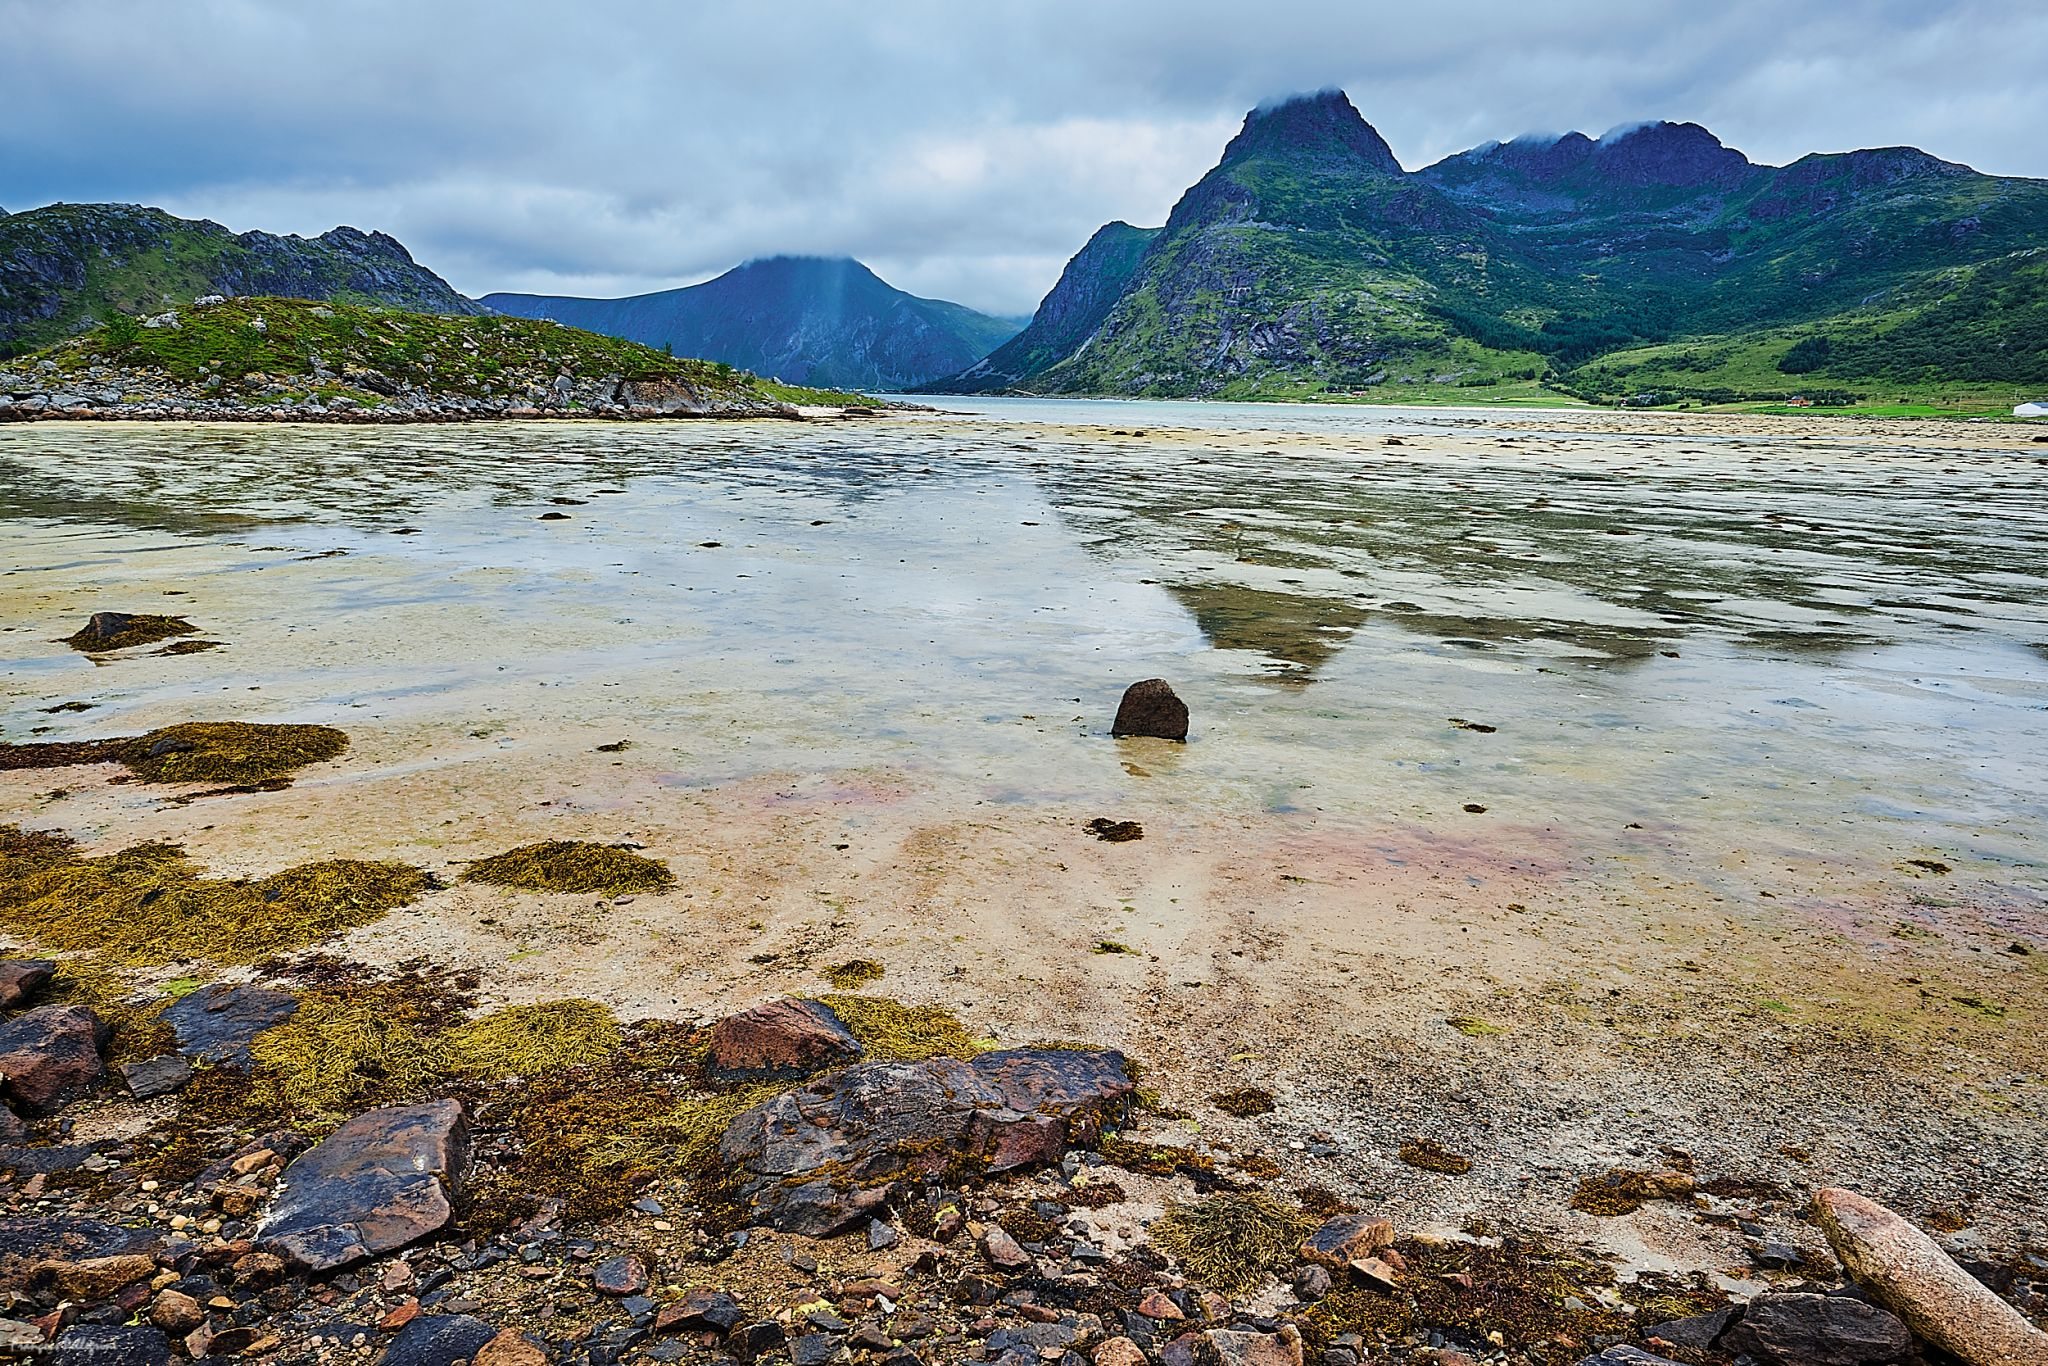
[(1567, 791)]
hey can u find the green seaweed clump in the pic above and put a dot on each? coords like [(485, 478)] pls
[(1530, 1294), (1245, 1102), (147, 905), (890, 1031), (1232, 1242), (1622, 1191), (1433, 1157), (338, 1054), (852, 976), (572, 866), (120, 630), (531, 1041), (228, 751)]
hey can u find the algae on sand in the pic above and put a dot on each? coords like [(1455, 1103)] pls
[(1232, 1242), (147, 905), (531, 1041), (890, 1031), (120, 630), (572, 866), (193, 752), (229, 751)]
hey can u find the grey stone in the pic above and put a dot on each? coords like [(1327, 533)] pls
[(155, 1076), (216, 1023), (380, 1181)]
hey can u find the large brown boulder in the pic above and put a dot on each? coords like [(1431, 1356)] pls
[(817, 1158), (1909, 1274), (22, 978), (48, 1056), (781, 1039), (380, 1181), (1151, 708)]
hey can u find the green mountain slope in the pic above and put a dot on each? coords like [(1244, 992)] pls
[(1088, 288), (806, 320), (1309, 262), (67, 267)]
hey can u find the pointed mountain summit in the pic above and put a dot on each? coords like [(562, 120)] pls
[(1323, 129), (802, 319), (1307, 261)]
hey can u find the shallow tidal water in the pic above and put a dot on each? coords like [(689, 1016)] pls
[(1719, 644)]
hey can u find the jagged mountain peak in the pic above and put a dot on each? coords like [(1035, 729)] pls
[(1322, 127), (1660, 152)]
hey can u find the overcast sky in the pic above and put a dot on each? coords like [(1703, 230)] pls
[(962, 150)]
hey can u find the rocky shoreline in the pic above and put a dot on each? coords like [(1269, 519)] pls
[(113, 397), (1000, 1208)]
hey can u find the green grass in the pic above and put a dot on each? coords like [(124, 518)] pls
[(282, 349)]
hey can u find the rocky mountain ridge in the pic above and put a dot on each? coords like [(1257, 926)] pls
[(65, 268), (1309, 261)]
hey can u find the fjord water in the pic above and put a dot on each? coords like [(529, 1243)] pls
[(1716, 645)]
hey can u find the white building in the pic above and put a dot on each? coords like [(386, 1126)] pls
[(2038, 408)]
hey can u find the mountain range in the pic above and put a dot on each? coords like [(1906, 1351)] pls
[(65, 267), (802, 319), (1649, 264)]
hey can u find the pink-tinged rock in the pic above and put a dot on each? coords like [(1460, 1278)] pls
[(1258, 1349), (1119, 1352), (510, 1348), (22, 978), (380, 1181), (788, 1038), (48, 1056), (1158, 1307), (1344, 1239), (1908, 1273)]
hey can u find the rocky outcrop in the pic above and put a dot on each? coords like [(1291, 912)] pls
[(816, 1159), (782, 1039), (48, 1056), (64, 266), (378, 1182), (1151, 708), (22, 978), (1909, 1273)]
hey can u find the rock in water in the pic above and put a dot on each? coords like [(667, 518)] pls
[(817, 1158), (22, 978), (1152, 708), (49, 1056), (787, 1038), (1819, 1330), (378, 1182), (1909, 1273)]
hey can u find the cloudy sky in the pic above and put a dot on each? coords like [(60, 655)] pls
[(963, 150)]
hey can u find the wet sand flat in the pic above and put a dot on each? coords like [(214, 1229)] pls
[(1752, 713)]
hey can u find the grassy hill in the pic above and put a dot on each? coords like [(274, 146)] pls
[(66, 268), (270, 352)]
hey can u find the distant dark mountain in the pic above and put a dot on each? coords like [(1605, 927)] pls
[(1309, 261), (64, 267), (802, 319)]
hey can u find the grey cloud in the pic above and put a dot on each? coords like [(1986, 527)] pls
[(963, 151)]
